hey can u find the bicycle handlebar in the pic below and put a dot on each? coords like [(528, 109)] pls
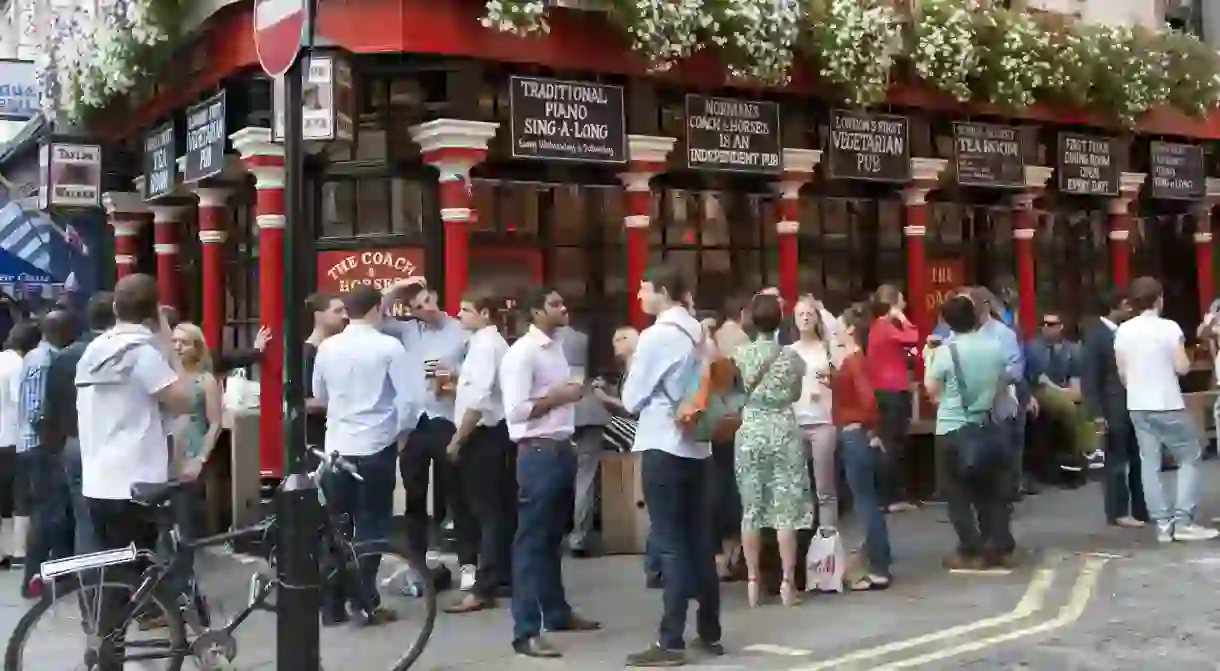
[(335, 460)]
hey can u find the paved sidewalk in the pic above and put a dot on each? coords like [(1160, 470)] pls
[(855, 631)]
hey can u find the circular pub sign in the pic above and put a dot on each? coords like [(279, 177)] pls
[(279, 30), (341, 271)]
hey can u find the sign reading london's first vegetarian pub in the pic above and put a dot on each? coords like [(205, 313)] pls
[(732, 135), (567, 121), (1177, 171), (205, 139), (1088, 164), (869, 146), (988, 155), (160, 168)]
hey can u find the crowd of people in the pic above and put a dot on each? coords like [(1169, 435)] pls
[(744, 425)]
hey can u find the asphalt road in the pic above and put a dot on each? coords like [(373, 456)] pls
[(1087, 597)]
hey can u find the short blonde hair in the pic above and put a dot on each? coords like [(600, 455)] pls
[(195, 334)]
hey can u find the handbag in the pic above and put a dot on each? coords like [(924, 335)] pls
[(619, 434), (976, 442), (241, 393)]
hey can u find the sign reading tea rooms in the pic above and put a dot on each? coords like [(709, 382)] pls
[(869, 146), (732, 135), (988, 155), (567, 121)]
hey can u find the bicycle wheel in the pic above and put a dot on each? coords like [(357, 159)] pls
[(43, 639), (407, 605)]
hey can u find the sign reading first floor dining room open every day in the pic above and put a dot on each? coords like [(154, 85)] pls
[(567, 121), (869, 146), (1088, 164), (732, 135)]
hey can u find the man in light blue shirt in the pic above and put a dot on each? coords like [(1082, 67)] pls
[(1010, 406), (666, 369)]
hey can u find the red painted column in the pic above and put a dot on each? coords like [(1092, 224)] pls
[(166, 221), (1204, 264), (798, 170), (925, 173), (212, 236), (126, 212), (453, 147), (265, 160), (647, 156), (1120, 242), (1024, 224)]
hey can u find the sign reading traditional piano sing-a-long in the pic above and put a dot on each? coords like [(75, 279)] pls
[(868, 146), (569, 121), (733, 135)]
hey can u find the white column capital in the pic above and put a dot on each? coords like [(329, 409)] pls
[(453, 134), (636, 181), (254, 141), (213, 237), (455, 214), (1203, 238), (271, 221), (649, 148), (167, 214), (124, 260), (637, 221), (268, 176), (1023, 234), (1120, 234), (1037, 176), (915, 195), (927, 170), (801, 160), (124, 202), (787, 227), (165, 249), (1130, 183), (126, 228), (212, 196), (914, 231)]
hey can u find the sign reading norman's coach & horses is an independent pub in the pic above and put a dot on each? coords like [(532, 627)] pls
[(988, 155), (733, 135), (568, 121), (1088, 164), (868, 146)]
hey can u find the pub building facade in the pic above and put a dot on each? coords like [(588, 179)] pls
[(475, 158)]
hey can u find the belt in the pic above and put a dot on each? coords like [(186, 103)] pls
[(545, 443)]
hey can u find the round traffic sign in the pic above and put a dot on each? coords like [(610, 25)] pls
[(279, 30)]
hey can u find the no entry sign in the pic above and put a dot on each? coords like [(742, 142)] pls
[(278, 33)]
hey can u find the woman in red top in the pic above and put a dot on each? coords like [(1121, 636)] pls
[(891, 340), (857, 417)]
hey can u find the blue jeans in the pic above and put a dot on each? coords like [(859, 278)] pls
[(1175, 431), (370, 507), (861, 462), (652, 558), (85, 540), (1013, 430), (51, 527), (546, 474), (675, 492)]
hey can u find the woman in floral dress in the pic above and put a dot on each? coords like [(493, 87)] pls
[(770, 458)]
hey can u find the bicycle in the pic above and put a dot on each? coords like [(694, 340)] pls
[(187, 619)]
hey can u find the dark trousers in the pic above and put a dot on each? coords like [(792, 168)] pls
[(546, 473), (188, 513), (978, 500), (487, 470), (675, 492), (83, 536), (1124, 489), (117, 524), (52, 529), (8, 480), (369, 505), (424, 455), (895, 475), (725, 500)]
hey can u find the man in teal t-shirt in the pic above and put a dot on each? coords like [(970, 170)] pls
[(982, 361)]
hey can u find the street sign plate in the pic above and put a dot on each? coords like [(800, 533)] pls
[(278, 33)]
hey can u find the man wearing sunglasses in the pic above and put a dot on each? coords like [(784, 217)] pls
[(1054, 376)]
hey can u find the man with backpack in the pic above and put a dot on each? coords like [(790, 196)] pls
[(662, 387)]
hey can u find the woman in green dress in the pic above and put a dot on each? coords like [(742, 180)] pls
[(770, 456)]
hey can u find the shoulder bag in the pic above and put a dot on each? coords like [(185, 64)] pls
[(977, 442)]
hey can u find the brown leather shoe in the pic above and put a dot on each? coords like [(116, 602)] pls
[(959, 562), (536, 647), (577, 623), (471, 604)]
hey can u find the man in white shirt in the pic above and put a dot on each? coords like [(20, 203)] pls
[(484, 454), (129, 382), (14, 490), (667, 365), (372, 396), (1151, 355), (436, 343), (539, 403)]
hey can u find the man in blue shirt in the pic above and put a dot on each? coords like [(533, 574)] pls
[(1053, 373)]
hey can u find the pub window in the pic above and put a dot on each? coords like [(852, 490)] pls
[(241, 281), (842, 254), (189, 254), (373, 205)]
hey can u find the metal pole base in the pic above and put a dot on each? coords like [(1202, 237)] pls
[(299, 596)]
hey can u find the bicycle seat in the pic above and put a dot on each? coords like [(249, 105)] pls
[(154, 493)]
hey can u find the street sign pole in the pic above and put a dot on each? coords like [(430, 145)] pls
[(299, 593)]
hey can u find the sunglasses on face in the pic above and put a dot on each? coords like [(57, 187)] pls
[(1052, 324)]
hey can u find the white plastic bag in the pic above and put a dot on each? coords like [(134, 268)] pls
[(241, 393), (825, 562)]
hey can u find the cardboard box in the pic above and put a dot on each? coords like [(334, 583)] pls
[(624, 517)]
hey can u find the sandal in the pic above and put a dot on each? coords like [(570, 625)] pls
[(787, 593), (871, 583)]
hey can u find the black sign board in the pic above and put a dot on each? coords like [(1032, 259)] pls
[(733, 135), (567, 121), (205, 139), (160, 169), (988, 155), (1177, 171), (1088, 164), (869, 146)]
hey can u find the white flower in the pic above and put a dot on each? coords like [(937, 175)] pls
[(856, 44), (945, 54), (519, 17), (664, 31), (758, 38)]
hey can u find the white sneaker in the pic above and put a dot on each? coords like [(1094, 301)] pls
[(467, 581), (1194, 532), (1164, 533)]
